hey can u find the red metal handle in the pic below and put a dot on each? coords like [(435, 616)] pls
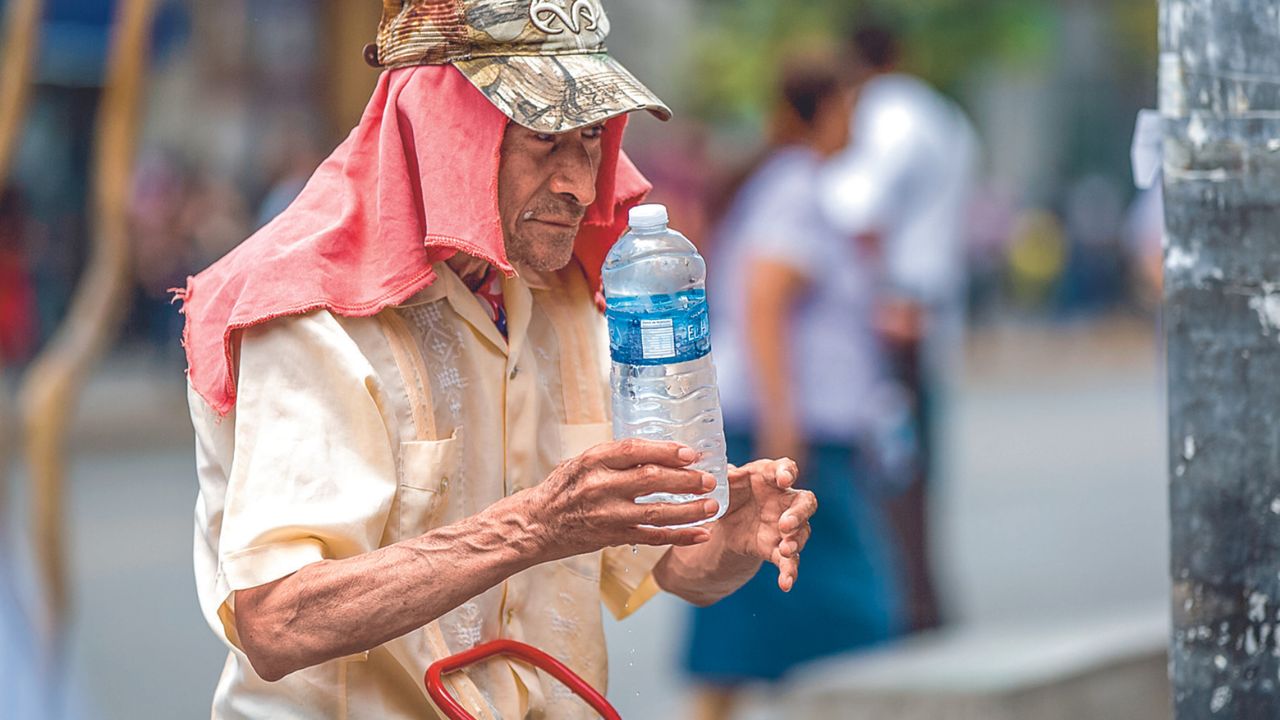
[(453, 710)]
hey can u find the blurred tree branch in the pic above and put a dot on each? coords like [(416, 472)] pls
[(21, 22), (52, 385), (21, 38)]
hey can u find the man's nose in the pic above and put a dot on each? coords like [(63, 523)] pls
[(575, 174)]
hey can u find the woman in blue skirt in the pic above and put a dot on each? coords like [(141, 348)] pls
[(799, 366)]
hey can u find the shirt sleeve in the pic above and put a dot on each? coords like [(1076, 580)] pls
[(866, 187), (312, 475), (776, 228), (854, 193), (626, 578)]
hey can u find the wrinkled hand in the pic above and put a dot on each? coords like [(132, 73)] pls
[(768, 518), (589, 502)]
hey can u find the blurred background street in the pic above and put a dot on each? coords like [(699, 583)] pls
[(1041, 384)]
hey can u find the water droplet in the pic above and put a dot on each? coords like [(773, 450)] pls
[(635, 550)]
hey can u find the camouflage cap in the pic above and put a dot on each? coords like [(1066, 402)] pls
[(541, 62)]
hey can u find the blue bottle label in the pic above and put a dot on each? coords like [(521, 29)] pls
[(659, 333)]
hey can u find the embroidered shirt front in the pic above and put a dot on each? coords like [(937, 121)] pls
[(354, 433)]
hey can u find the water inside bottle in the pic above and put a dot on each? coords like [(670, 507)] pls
[(663, 377)]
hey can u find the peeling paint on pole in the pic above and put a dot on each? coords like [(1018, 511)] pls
[(1220, 97)]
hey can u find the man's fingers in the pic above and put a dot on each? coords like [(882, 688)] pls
[(783, 473), (793, 543), (803, 506), (788, 571), (789, 547), (780, 473), (647, 479), (632, 452), (667, 514), (669, 536)]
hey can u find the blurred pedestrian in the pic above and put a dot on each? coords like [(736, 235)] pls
[(798, 362), (161, 248), (904, 183)]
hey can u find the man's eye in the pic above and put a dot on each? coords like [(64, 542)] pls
[(545, 137), (593, 132)]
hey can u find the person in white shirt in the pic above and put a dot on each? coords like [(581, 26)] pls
[(903, 184), (799, 363)]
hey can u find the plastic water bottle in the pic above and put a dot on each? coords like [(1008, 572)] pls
[(664, 382)]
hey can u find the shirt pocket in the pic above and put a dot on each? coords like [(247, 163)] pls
[(577, 439), (427, 468)]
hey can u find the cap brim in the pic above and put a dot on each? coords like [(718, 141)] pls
[(559, 93)]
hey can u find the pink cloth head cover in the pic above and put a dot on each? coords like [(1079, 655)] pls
[(414, 183)]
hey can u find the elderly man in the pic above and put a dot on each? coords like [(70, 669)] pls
[(400, 406)]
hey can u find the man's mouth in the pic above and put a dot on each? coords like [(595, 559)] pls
[(556, 222)]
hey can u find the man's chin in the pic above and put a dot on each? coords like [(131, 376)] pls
[(544, 264), (547, 252)]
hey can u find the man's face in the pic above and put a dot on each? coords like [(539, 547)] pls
[(545, 185)]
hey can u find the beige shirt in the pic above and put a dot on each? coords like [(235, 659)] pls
[(350, 434)]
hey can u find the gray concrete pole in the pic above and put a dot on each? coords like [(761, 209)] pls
[(1220, 97)]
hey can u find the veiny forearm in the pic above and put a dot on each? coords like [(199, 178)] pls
[(336, 608), (704, 574)]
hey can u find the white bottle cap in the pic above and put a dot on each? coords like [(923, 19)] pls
[(648, 216)]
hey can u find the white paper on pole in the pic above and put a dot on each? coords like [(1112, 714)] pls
[(1147, 152)]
